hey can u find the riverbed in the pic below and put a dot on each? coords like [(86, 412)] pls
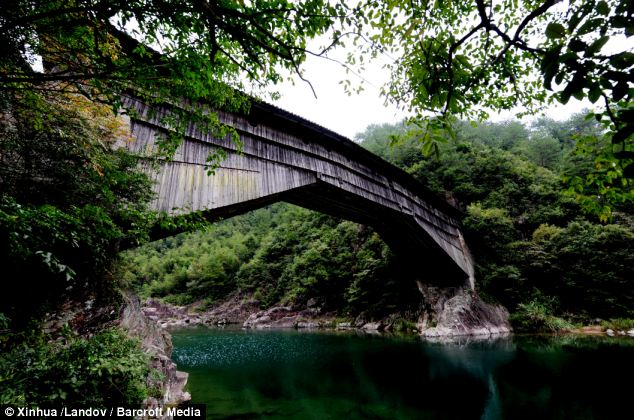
[(329, 375)]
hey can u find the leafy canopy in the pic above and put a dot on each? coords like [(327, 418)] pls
[(204, 52), (462, 58), (447, 58), (205, 47)]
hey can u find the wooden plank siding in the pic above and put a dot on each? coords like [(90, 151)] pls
[(285, 157)]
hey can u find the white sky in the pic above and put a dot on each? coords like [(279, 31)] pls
[(333, 108), (349, 115)]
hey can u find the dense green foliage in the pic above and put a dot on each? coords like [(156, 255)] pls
[(107, 369), (282, 254), (463, 59), (210, 53), (68, 201), (449, 58), (204, 46), (536, 251)]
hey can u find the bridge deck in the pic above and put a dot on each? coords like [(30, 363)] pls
[(285, 157)]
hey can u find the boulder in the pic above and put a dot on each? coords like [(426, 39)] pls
[(460, 312), (372, 326), (285, 322)]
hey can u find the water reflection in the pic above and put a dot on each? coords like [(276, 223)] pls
[(478, 358), (273, 374)]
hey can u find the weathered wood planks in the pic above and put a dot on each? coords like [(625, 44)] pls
[(285, 157)]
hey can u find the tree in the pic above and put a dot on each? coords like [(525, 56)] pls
[(565, 132), (456, 58), (544, 151), (68, 201), (505, 135), (207, 52), (207, 44)]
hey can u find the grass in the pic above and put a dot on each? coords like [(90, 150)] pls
[(619, 324)]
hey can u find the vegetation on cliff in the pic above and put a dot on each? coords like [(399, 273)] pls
[(279, 255), (68, 202), (104, 370)]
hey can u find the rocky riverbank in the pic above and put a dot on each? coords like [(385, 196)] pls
[(460, 312), (599, 330), (237, 310), (455, 314), (86, 318), (156, 342)]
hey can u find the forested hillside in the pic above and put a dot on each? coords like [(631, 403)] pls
[(282, 254), (536, 251)]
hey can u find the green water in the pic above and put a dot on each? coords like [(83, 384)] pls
[(294, 375)]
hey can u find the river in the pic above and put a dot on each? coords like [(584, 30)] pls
[(329, 375)]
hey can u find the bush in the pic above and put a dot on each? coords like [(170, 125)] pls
[(537, 315), (402, 325), (107, 369), (589, 266), (621, 324)]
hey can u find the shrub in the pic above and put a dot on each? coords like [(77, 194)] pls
[(537, 315), (107, 369)]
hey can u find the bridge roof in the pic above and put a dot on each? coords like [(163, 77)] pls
[(301, 126), (262, 111)]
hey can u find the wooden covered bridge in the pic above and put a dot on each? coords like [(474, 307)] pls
[(287, 158)]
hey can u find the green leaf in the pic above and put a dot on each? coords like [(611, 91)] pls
[(579, 95), (596, 46), (550, 66), (576, 84), (603, 8), (590, 26), (577, 45), (623, 60), (595, 93), (564, 97), (555, 30), (574, 20), (623, 134), (620, 90)]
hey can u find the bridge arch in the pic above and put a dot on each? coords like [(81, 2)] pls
[(287, 158)]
